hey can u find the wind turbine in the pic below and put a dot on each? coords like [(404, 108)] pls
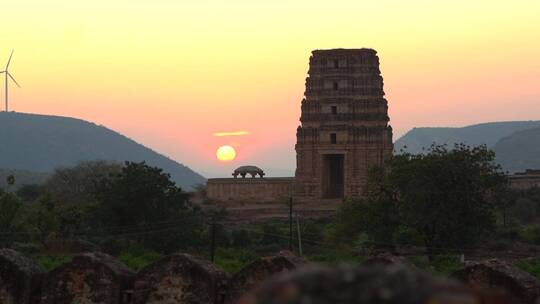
[(7, 74)]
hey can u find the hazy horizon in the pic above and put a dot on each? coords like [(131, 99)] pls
[(172, 75)]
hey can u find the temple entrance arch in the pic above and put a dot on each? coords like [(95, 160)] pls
[(333, 175)]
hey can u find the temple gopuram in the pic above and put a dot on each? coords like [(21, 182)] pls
[(344, 130)]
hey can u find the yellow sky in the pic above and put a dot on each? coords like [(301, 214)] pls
[(170, 74)]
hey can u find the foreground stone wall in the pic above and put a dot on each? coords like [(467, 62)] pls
[(252, 275), (181, 278), (496, 274), (251, 190), (20, 278), (88, 278), (395, 283)]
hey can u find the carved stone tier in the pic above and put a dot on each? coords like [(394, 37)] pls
[(344, 125)]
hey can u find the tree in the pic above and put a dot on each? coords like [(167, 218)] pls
[(377, 214), (9, 208), (30, 192), (77, 185), (142, 203), (445, 197), (42, 219)]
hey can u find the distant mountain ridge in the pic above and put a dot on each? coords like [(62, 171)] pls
[(42, 143), (520, 151), (512, 141)]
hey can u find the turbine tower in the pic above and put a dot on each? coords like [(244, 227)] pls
[(8, 75)]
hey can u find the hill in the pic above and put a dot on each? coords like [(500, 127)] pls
[(486, 133), (495, 135), (41, 143), (519, 151)]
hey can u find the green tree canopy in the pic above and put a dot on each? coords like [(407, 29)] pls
[(78, 184), (9, 207), (444, 199), (141, 201)]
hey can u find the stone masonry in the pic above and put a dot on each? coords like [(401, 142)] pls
[(344, 125), (495, 274), (344, 130), (250, 190), (180, 278), (253, 274), (89, 278), (20, 278), (525, 180)]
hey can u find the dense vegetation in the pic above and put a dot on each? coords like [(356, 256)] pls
[(431, 208), (41, 143), (445, 199), (24, 177), (105, 205)]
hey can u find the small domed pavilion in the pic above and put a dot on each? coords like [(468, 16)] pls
[(244, 170)]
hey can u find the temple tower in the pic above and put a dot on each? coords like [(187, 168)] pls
[(344, 126)]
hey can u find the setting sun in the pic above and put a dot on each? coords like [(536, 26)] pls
[(226, 153)]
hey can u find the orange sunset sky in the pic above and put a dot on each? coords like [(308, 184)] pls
[(170, 74)]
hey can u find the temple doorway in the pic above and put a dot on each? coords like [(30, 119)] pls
[(332, 176)]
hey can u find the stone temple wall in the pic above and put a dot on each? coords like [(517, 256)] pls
[(525, 180), (344, 130), (344, 125), (251, 190)]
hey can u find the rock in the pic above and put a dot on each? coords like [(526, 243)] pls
[(366, 284), (179, 278), (496, 274), (88, 278), (252, 275), (20, 278)]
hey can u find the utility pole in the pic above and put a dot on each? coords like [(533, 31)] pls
[(299, 234), (290, 225), (213, 239)]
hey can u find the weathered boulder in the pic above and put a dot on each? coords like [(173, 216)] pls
[(20, 278), (88, 278), (366, 284), (496, 274), (252, 275), (179, 278)]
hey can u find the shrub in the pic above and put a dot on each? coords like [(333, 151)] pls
[(137, 258), (420, 261), (531, 234), (241, 238), (446, 264), (50, 262), (332, 257), (531, 266), (233, 260)]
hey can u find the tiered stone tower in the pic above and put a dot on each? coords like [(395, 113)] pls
[(344, 126)]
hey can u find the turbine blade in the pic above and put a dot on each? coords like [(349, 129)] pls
[(13, 79), (9, 60), (2, 72)]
